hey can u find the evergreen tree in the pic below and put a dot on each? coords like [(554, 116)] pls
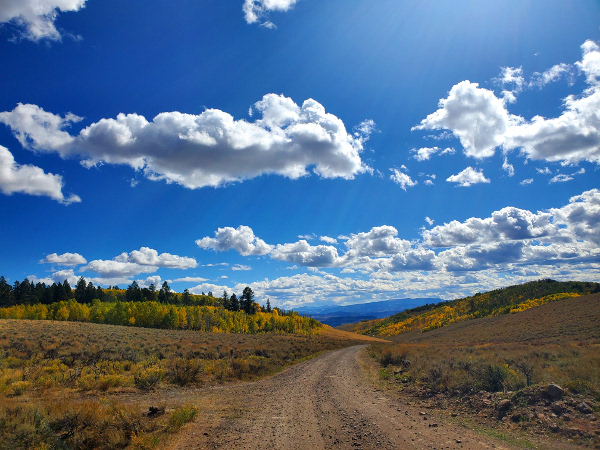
[(164, 295), (268, 308), (225, 301), (234, 302), (80, 290), (5, 292), (247, 303)]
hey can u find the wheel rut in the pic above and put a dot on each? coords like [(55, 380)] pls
[(324, 403)]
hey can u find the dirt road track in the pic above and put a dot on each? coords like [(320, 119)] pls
[(324, 403)]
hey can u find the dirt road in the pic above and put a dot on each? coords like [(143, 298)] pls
[(326, 403)]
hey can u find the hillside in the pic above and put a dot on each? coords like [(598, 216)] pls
[(508, 300), (573, 319)]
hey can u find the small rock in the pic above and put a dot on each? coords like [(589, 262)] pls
[(554, 427), (422, 413), (554, 391), (558, 407), (433, 425), (584, 408), (504, 405)]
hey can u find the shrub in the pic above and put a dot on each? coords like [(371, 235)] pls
[(183, 371), (181, 416), (493, 377), (149, 377)]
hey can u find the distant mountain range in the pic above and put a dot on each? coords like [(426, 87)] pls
[(334, 315)]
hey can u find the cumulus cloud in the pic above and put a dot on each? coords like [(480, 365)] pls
[(303, 253), (526, 181), (144, 260), (240, 267), (509, 223), (403, 179), (429, 221), (476, 117), (508, 239), (35, 18), (66, 259), (257, 11), (581, 216), (29, 179), (241, 240), (482, 123), (379, 241), (150, 257), (468, 177), (209, 149)]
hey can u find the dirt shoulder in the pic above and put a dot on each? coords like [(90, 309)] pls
[(329, 402)]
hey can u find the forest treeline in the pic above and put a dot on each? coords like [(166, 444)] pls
[(507, 300), (147, 307)]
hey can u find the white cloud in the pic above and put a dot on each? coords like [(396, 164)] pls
[(482, 123), (117, 269), (402, 179), (29, 179), (36, 17), (553, 74), (241, 240), (68, 275), (379, 241), (150, 257), (526, 181), (581, 216), (590, 63), (509, 223), (560, 178), (429, 221), (307, 237), (156, 280), (512, 80), (303, 253), (240, 267), (475, 115), (328, 239), (468, 177), (189, 279), (508, 168), (423, 154), (144, 260), (66, 259), (544, 171), (256, 11), (209, 149)]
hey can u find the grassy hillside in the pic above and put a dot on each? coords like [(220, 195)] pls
[(493, 373), (508, 300)]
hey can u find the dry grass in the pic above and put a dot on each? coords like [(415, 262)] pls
[(480, 362), (96, 372)]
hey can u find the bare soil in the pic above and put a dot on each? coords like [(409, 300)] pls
[(330, 402)]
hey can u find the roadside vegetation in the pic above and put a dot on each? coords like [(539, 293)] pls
[(535, 370), (84, 385)]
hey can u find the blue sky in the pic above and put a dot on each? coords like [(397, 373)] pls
[(319, 152)]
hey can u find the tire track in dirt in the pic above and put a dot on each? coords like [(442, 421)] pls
[(325, 403)]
